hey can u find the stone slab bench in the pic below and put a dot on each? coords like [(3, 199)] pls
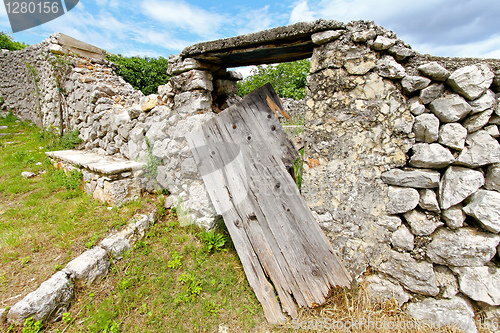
[(108, 179)]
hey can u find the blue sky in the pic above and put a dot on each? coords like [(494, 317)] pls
[(164, 27)]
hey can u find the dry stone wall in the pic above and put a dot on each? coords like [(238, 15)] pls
[(402, 159)]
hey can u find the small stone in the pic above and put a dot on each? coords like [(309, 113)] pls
[(27, 174), (451, 108), (422, 224), (391, 223), (426, 128), (484, 206), (383, 43), (401, 200), (492, 179), (485, 102), (416, 106), (446, 281), (454, 216), (462, 247), (471, 81), (429, 94), (389, 68), (452, 135), (415, 276), (428, 200), (431, 156), (324, 37), (149, 102), (417, 178), (456, 312), (381, 290), (457, 184), (402, 239), (363, 36), (400, 52), (90, 265), (413, 83), (434, 71), (492, 130), (477, 121), (482, 149), (481, 284)]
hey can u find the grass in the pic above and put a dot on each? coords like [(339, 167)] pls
[(46, 220), (175, 279)]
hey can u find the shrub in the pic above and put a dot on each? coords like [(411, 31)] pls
[(6, 42), (143, 73), (288, 79)]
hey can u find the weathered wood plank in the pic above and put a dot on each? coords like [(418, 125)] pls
[(243, 155)]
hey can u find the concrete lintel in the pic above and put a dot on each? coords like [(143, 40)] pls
[(280, 44)]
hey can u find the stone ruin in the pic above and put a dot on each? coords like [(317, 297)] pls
[(402, 159)]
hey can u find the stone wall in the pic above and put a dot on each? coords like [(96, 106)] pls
[(402, 168)]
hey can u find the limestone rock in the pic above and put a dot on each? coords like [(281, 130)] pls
[(324, 37), (456, 312), (462, 247), (484, 206), (178, 65), (450, 108), (413, 83), (421, 223), (452, 135), (426, 128), (401, 200), (471, 81), (149, 102), (48, 302), (485, 102), (446, 281), (402, 239), (383, 43), (193, 102), (416, 106), (390, 223), (363, 36), (492, 179), (90, 265), (192, 80), (480, 283), (482, 149), (428, 200), (432, 156), (28, 174), (457, 184), (432, 92), (381, 290), (477, 121), (389, 68), (492, 130), (400, 52), (434, 71), (418, 178), (415, 276), (454, 216)]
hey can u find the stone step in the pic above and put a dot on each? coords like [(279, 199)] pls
[(108, 179)]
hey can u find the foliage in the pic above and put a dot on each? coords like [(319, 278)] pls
[(288, 79), (175, 262), (1, 101), (213, 241), (192, 288), (143, 73), (152, 162), (32, 326), (70, 180), (6, 42)]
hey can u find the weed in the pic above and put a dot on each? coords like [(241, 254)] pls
[(152, 162), (70, 180), (58, 267), (70, 140), (32, 326), (26, 260), (211, 307), (191, 290), (91, 242), (213, 241), (175, 262), (67, 317)]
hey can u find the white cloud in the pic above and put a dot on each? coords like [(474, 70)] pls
[(301, 13), (254, 20), (185, 16)]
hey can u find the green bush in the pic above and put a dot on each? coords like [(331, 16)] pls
[(288, 79), (143, 73), (6, 42)]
